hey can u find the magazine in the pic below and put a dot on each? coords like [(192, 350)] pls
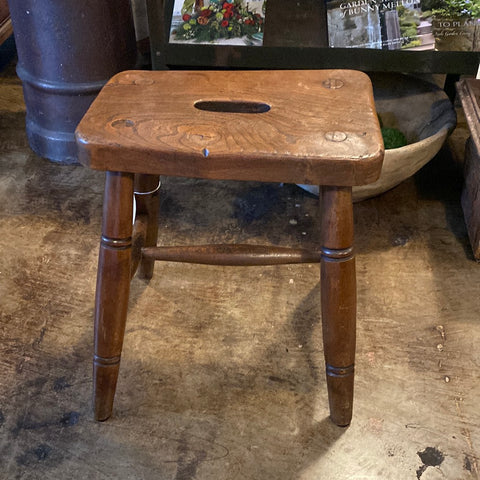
[(452, 25), (224, 22)]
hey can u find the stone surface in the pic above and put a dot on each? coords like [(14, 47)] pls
[(222, 373)]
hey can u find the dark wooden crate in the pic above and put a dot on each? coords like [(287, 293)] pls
[(469, 94)]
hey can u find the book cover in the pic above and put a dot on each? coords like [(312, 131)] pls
[(223, 22), (452, 25)]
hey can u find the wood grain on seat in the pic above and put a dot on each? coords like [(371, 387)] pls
[(151, 120)]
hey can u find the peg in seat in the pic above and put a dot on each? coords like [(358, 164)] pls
[(307, 127)]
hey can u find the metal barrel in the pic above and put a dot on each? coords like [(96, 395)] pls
[(67, 50)]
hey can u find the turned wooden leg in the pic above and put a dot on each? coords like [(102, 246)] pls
[(113, 286), (147, 203), (338, 287)]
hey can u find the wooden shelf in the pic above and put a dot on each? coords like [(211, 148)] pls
[(303, 45)]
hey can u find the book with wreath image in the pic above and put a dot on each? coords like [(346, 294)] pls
[(452, 25), (227, 22)]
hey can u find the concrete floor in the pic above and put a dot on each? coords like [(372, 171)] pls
[(222, 373)]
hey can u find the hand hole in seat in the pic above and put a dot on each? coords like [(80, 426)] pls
[(232, 106)]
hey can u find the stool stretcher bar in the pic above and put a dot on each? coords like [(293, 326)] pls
[(233, 255)]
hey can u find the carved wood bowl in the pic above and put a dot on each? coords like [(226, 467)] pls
[(423, 112)]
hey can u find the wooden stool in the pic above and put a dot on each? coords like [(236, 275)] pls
[(307, 127)]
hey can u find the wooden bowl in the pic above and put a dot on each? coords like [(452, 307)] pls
[(423, 112)]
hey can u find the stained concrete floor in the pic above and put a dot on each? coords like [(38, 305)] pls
[(222, 373)]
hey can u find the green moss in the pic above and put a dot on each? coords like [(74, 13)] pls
[(393, 138)]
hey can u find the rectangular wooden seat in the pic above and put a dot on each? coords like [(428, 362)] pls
[(319, 128), (310, 127)]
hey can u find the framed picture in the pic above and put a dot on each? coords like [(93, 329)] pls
[(218, 22), (416, 25), (368, 35)]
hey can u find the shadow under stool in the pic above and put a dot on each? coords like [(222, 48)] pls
[(316, 127)]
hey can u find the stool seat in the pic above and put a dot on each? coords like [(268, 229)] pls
[(308, 127)]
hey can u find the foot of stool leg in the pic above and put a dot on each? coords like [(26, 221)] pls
[(338, 287), (147, 203), (105, 375), (113, 287)]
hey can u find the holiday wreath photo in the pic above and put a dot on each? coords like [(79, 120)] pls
[(227, 22)]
